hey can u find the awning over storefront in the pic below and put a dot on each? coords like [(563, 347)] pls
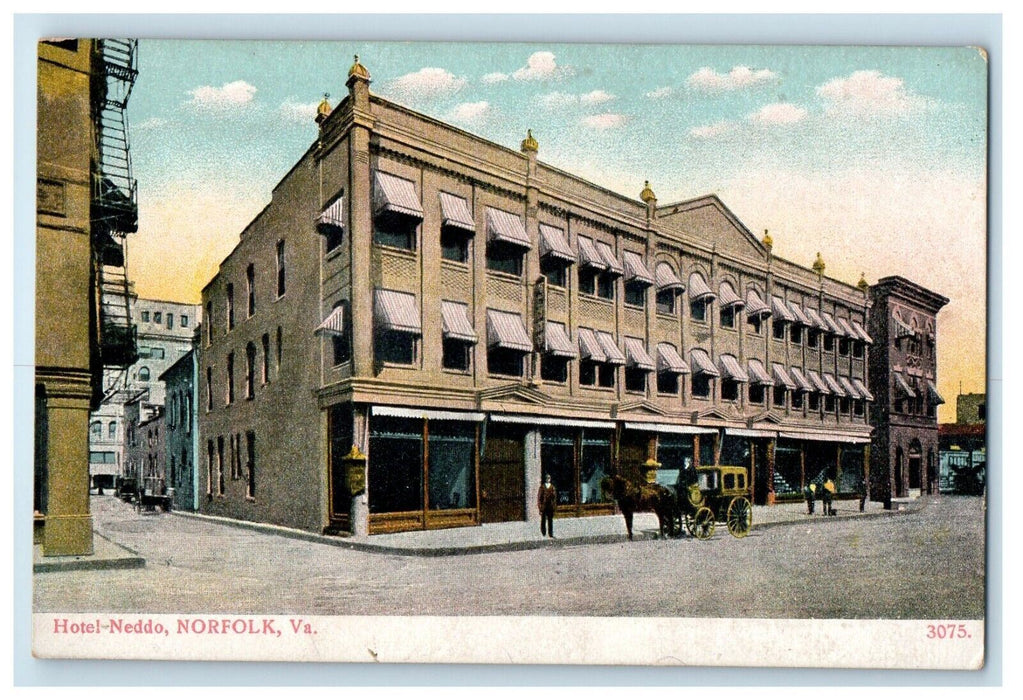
[(901, 385), (589, 346), (800, 379), (408, 412), (825, 437), (554, 245), (815, 318), (849, 389), (636, 270), (818, 383), (455, 213), (505, 227), (334, 324), (799, 315), (701, 363), (608, 256), (611, 352), (637, 356), (751, 432), (833, 327), (861, 332), (395, 195), (549, 420), (781, 310), (677, 429), (731, 369), (755, 305), (332, 218), (666, 278), (455, 322), (668, 360), (833, 385), (556, 341), (758, 373), (505, 330), (933, 397), (698, 289), (588, 255), (727, 296), (396, 311), (782, 377), (861, 387)]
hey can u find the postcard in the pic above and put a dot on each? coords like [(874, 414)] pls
[(511, 353)]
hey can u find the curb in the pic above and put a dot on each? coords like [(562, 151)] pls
[(134, 561)]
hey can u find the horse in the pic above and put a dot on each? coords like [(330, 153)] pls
[(644, 498)]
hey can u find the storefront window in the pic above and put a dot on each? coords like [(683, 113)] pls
[(395, 465), (735, 451), (452, 465), (557, 458), (594, 465), (851, 480), (675, 453), (787, 466), (706, 450)]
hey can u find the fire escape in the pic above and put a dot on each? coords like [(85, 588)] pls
[(114, 199)]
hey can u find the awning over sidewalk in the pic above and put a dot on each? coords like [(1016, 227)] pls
[(409, 412), (824, 436), (679, 429), (395, 195), (552, 420)]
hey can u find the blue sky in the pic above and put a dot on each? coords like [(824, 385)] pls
[(874, 156)]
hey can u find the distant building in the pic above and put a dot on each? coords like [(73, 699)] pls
[(903, 372), (181, 434), (963, 447), (144, 445), (971, 409)]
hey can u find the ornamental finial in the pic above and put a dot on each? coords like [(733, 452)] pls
[(529, 144), (767, 240), (647, 195), (818, 264)]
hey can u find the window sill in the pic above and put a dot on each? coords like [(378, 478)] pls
[(732, 329), (518, 377), (667, 316), (331, 254), (396, 365), (504, 276), (634, 307), (455, 265), (598, 299), (410, 253), (457, 372), (602, 389)]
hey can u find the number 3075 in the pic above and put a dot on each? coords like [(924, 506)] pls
[(949, 631)]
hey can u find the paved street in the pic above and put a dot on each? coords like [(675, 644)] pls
[(924, 564)]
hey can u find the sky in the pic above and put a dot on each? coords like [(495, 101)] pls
[(874, 156)]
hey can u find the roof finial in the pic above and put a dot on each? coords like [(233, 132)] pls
[(862, 284), (647, 195), (767, 240), (529, 144), (818, 264), (358, 70), (323, 111)]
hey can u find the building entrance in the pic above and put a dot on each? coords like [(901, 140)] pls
[(502, 476)]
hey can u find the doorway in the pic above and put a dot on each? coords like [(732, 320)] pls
[(502, 475)]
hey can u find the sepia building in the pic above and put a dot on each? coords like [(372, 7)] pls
[(466, 318), (181, 437), (903, 370)]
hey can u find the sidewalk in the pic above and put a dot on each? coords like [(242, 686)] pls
[(106, 554)]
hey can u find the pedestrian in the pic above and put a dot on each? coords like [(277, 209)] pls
[(546, 500), (810, 493), (826, 495)]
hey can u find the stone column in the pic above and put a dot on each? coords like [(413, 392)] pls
[(68, 528), (533, 475), (360, 502)]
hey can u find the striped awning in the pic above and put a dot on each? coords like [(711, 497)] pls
[(701, 363), (505, 330), (848, 387), (755, 305), (612, 353), (861, 387), (505, 227), (589, 346), (455, 323), (731, 369), (554, 245), (902, 329), (557, 342), (395, 195), (758, 374), (833, 327), (675, 428), (847, 329), (818, 383), (799, 314), (588, 255), (933, 397), (332, 218), (861, 332), (608, 256), (637, 356), (455, 212), (334, 324), (781, 310), (727, 296), (396, 311), (635, 269), (782, 377), (408, 412), (824, 436), (802, 383), (833, 384), (669, 361), (666, 277), (698, 288), (903, 386), (815, 318)]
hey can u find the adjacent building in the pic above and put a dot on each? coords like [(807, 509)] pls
[(421, 323), (85, 205), (144, 469), (903, 369), (181, 436), (962, 447)]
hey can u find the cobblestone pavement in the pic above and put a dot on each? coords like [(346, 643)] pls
[(924, 564)]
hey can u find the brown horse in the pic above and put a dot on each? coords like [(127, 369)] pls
[(644, 498)]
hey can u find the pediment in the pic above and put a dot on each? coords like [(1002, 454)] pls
[(640, 407), (514, 393), (766, 417), (709, 220), (713, 413)]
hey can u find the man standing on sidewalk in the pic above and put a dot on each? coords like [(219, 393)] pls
[(546, 500), (810, 493)]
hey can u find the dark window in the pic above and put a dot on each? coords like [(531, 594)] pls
[(778, 329), (857, 348), (812, 338), (281, 279), (209, 467), (250, 285), (452, 465), (667, 383), (635, 294), (698, 310), (829, 342), (395, 465), (797, 399), (727, 317), (829, 404), (220, 465), (342, 342), (209, 389), (606, 286), (587, 373), (230, 306), (230, 377), (280, 349), (395, 230), (843, 346), (157, 317), (755, 324), (504, 361), (556, 272), (796, 334), (554, 369), (184, 321), (208, 322), (502, 257), (250, 371), (756, 393), (779, 396), (635, 379), (666, 301), (143, 374), (457, 354), (899, 405), (606, 376), (454, 244), (858, 407), (730, 390), (588, 280), (594, 464), (844, 405), (596, 373), (145, 317), (982, 411), (266, 358), (557, 458), (334, 238), (702, 385), (170, 322), (815, 401), (250, 464), (395, 348)]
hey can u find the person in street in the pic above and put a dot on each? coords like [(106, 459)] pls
[(546, 500), (827, 493), (810, 493)]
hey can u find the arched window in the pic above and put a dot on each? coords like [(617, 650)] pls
[(112, 430), (143, 374), (96, 429)]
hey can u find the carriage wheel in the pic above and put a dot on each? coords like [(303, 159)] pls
[(740, 517), (702, 525)]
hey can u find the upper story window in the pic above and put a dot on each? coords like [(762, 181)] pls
[(599, 358), (507, 242), (508, 343), (230, 306), (756, 311), (732, 377), (781, 315), (598, 268), (281, 270), (337, 327), (157, 317), (250, 370), (704, 373), (396, 327), (184, 321), (638, 279), (459, 336), (229, 396), (145, 317), (209, 389), (457, 228), (265, 375), (250, 290), (555, 255), (558, 351), (209, 323), (143, 374), (96, 429), (331, 223), (669, 286), (730, 304), (638, 364), (397, 211), (700, 297), (170, 321)]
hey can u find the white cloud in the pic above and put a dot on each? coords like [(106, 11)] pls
[(659, 94), (151, 123), (471, 112), (298, 111), (778, 113), (596, 97), (426, 83), (234, 94), (556, 100), (739, 77), (867, 92), (604, 121), (491, 78), (541, 66), (710, 131)]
